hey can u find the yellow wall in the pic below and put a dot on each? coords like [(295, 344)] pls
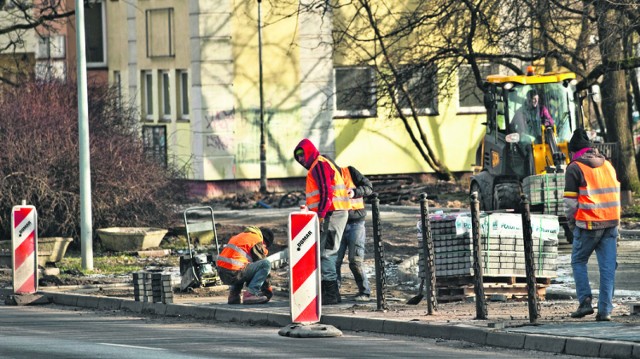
[(381, 145), (218, 44)]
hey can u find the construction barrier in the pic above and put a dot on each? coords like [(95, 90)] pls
[(24, 246), (304, 261)]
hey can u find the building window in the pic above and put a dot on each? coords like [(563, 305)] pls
[(470, 97), (183, 94), (95, 33), (50, 47), (147, 94), (159, 32), (165, 98), (154, 142), (355, 92), (421, 83), (50, 70)]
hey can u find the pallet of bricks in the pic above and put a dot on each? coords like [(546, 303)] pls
[(152, 287), (502, 246)]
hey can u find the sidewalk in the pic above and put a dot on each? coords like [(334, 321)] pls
[(584, 338)]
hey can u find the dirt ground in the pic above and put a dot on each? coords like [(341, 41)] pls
[(400, 244)]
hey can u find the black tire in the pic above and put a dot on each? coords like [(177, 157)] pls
[(506, 196), (475, 187)]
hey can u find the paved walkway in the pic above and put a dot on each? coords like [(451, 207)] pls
[(588, 338)]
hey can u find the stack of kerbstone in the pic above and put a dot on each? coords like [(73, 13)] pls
[(502, 245), (152, 287)]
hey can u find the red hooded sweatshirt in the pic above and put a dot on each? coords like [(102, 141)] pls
[(321, 172)]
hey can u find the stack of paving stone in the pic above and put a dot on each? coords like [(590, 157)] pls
[(502, 245), (161, 285), (546, 191), (152, 287)]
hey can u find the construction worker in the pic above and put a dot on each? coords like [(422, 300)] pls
[(326, 194), (529, 118), (592, 199), (243, 260), (354, 238)]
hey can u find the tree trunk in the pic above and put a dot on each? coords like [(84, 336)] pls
[(614, 96)]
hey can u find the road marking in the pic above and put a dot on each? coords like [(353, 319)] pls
[(131, 346)]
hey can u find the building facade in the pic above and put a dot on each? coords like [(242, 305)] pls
[(192, 68)]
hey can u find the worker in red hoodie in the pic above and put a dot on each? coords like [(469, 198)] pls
[(326, 195)]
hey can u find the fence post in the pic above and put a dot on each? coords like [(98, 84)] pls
[(481, 306), (378, 251), (532, 290), (428, 255)]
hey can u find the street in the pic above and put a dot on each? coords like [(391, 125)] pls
[(52, 332)]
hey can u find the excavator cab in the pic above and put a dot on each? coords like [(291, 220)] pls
[(530, 120)]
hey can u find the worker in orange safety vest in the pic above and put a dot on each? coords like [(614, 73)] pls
[(326, 194), (244, 260), (592, 204)]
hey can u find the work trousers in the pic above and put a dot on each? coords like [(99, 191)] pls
[(330, 236), (254, 274), (353, 239), (604, 243)]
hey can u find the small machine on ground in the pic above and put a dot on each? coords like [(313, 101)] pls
[(199, 269)]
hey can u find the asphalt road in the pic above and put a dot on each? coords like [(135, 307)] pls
[(52, 332)]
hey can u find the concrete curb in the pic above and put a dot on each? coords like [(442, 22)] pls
[(587, 347)]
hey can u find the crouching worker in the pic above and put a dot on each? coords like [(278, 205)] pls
[(244, 260)]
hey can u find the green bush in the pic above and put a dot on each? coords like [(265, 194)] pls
[(39, 162)]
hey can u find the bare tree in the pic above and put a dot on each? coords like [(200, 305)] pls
[(582, 36), (612, 28)]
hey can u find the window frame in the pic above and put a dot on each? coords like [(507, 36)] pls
[(182, 88), (488, 69), (359, 113), (147, 94), (103, 16), (421, 110), (170, 51), (164, 94), (50, 47), (154, 143)]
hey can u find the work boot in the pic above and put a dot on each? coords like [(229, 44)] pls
[(337, 292), (585, 308), (601, 317), (330, 292), (250, 298), (234, 297)]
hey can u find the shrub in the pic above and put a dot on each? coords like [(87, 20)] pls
[(39, 161)]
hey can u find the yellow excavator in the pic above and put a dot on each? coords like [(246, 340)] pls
[(523, 151)]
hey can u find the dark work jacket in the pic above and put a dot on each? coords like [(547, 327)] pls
[(363, 189)]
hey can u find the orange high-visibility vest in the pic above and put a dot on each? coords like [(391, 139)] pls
[(237, 253), (340, 196), (356, 203), (599, 200)]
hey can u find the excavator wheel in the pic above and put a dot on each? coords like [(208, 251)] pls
[(506, 196)]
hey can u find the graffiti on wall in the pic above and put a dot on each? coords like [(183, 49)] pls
[(220, 129)]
